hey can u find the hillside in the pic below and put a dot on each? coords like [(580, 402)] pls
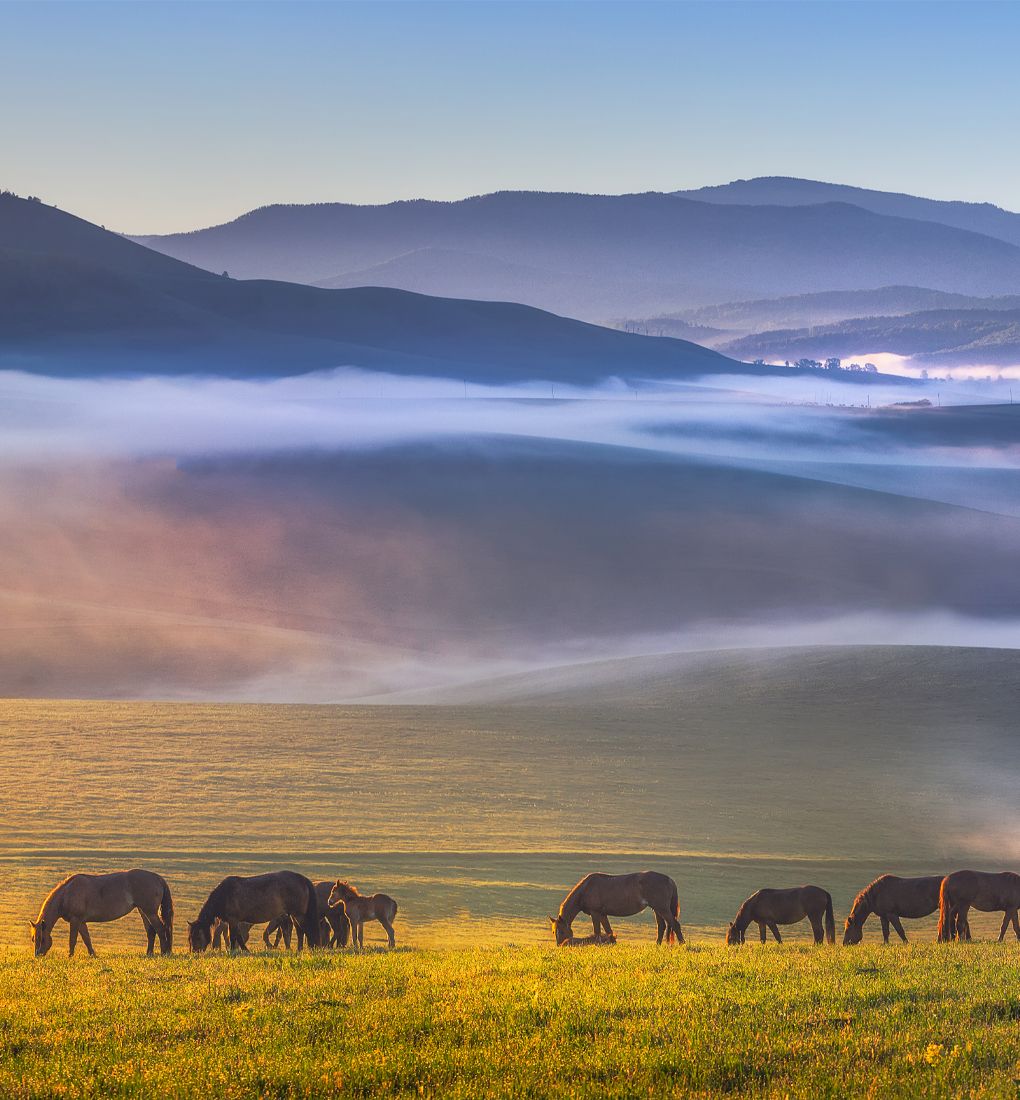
[(712, 325), (943, 337), (977, 217), (600, 257), (76, 299)]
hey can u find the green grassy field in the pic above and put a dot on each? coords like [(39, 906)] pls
[(925, 1020)]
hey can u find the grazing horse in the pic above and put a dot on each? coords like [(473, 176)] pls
[(82, 898), (892, 898), (359, 908), (770, 908), (982, 890), (603, 896), (260, 899)]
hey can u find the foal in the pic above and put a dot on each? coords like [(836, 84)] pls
[(361, 907)]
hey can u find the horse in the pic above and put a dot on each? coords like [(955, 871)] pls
[(260, 899), (603, 896), (82, 898), (981, 890), (599, 939), (891, 898), (770, 908), (359, 908)]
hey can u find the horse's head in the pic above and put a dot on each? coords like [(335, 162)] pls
[(341, 891), (561, 930), (853, 932), (42, 937), (734, 935), (199, 936)]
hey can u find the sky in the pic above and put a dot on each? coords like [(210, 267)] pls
[(156, 117)]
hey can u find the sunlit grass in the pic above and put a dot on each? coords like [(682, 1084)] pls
[(925, 1020)]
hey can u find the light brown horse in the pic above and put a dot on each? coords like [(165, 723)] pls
[(260, 899), (603, 896), (891, 898), (989, 893), (770, 908), (83, 898), (359, 908)]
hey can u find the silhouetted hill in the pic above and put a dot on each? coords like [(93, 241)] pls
[(601, 257), (76, 299), (978, 217)]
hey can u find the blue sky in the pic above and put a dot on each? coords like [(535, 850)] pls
[(149, 116)]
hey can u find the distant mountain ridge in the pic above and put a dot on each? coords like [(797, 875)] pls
[(976, 217), (601, 257)]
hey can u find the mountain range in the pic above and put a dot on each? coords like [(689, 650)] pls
[(605, 257)]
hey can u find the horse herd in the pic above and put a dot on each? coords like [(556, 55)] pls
[(327, 913), (332, 912)]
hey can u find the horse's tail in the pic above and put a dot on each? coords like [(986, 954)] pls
[(312, 932), (830, 920), (166, 915), (675, 931), (947, 924)]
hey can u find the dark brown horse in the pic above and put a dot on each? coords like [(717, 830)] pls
[(770, 908), (334, 927), (83, 898), (261, 899), (603, 896), (892, 898), (989, 893), (359, 908)]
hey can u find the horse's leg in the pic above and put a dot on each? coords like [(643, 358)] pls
[(899, 927), (1005, 924), (1016, 924), (389, 931), (72, 939), (660, 926), (86, 938), (964, 923), (774, 928), (596, 923), (885, 928), (361, 934), (761, 930), (150, 933), (605, 926)]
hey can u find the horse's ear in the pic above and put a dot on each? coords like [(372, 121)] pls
[(552, 921)]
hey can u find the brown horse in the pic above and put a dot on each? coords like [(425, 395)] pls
[(603, 896), (892, 898), (82, 898), (260, 899), (770, 908), (359, 908), (981, 890)]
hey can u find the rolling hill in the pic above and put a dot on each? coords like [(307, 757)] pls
[(942, 337), (77, 300), (601, 257)]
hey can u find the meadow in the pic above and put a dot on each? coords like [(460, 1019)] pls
[(789, 1021)]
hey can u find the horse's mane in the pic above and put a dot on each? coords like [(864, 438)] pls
[(213, 907), (353, 889), (864, 899)]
